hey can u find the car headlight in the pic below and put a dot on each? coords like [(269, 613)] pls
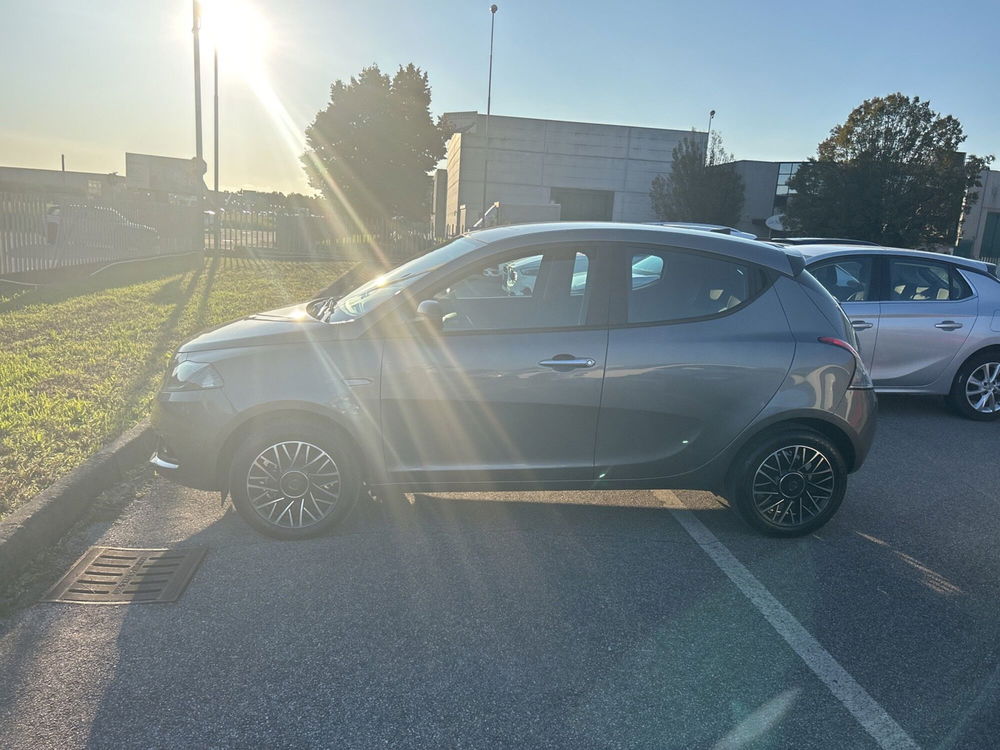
[(192, 376)]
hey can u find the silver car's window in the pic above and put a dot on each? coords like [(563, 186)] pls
[(529, 290), (915, 280), (668, 286), (847, 279)]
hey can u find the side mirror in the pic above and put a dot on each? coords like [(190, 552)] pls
[(431, 314)]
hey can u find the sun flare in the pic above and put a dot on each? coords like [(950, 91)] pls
[(239, 31)]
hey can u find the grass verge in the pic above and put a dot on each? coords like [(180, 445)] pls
[(79, 365)]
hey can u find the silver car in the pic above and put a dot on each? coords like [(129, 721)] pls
[(927, 323), (728, 368)]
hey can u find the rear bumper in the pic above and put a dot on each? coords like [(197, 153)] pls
[(861, 415)]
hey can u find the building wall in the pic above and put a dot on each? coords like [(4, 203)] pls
[(83, 184), (759, 181), (528, 157), (979, 225)]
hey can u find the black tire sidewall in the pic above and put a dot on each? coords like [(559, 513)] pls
[(957, 398), (334, 444), (751, 459)]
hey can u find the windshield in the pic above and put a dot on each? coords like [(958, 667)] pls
[(370, 295)]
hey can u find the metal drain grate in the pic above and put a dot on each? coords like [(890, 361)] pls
[(110, 575)]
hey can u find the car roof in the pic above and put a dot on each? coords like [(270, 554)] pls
[(787, 261), (816, 253), (822, 241)]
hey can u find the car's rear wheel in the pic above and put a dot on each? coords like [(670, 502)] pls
[(976, 391), (294, 481), (789, 483)]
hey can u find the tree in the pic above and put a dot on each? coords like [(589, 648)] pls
[(696, 191), (892, 174), (371, 148)]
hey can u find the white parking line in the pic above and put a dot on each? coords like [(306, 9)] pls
[(886, 732)]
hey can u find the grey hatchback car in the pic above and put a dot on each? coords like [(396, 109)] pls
[(729, 368)]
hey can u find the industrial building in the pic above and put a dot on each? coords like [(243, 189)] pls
[(547, 170)]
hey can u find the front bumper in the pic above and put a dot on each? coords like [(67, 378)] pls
[(190, 427)]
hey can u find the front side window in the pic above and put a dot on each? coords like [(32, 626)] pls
[(670, 285), (529, 290), (916, 280), (847, 279)]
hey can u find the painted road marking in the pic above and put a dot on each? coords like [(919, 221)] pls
[(875, 720)]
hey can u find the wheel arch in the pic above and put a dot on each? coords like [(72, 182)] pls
[(991, 349), (242, 429)]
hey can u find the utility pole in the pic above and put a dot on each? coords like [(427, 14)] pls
[(195, 31), (489, 97), (215, 101)]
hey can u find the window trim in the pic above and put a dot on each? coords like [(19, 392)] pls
[(761, 280)]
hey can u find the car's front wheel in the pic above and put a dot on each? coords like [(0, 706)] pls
[(789, 483), (976, 391), (294, 481)]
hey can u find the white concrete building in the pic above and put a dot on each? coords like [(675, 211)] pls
[(590, 171), (980, 232)]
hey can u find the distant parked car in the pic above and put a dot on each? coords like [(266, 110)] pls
[(727, 368), (927, 323)]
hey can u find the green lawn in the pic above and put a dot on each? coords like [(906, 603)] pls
[(78, 366)]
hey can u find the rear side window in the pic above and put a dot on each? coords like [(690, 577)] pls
[(848, 279), (916, 280), (671, 285)]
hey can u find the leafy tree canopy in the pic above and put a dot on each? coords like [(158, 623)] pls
[(892, 173), (371, 148), (700, 188)]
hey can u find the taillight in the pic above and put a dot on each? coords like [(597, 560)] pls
[(861, 378)]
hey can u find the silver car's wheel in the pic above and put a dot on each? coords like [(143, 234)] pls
[(293, 480), (793, 485), (293, 484), (975, 393), (982, 388)]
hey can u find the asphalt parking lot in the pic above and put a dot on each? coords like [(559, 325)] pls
[(578, 620)]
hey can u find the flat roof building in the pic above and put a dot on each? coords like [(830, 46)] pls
[(551, 169)]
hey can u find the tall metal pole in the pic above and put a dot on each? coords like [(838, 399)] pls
[(215, 103), (195, 30), (708, 142), (489, 98)]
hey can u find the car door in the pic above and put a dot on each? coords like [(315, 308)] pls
[(925, 319), (698, 345), (853, 281), (510, 389)]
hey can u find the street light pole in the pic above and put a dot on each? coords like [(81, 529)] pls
[(708, 142), (195, 30), (489, 97), (215, 102)]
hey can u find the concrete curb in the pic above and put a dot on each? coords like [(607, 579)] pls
[(44, 519)]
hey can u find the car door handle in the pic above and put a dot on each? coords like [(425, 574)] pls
[(948, 325), (568, 361), (861, 325)]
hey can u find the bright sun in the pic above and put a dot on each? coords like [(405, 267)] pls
[(239, 31)]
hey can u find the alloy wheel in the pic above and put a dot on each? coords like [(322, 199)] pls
[(293, 484), (792, 486), (982, 389)]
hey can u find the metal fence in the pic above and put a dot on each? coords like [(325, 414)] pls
[(274, 234), (42, 232)]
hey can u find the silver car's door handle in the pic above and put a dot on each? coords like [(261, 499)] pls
[(861, 325), (948, 325), (568, 361)]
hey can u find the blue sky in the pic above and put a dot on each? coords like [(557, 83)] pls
[(95, 79)]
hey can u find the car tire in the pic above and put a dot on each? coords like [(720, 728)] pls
[(294, 480), (972, 383), (788, 483)]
